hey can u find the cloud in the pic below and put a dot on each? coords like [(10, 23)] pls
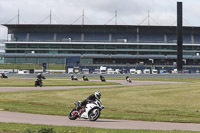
[(130, 12)]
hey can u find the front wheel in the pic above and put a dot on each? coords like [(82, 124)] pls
[(41, 84), (73, 114), (94, 114)]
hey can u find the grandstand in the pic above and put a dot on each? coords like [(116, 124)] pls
[(94, 45)]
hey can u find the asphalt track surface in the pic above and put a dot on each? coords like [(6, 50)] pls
[(100, 123)]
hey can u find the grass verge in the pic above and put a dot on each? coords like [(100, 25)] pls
[(20, 128), (171, 102), (25, 82)]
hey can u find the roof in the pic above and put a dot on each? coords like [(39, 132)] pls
[(97, 28), (121, 56)]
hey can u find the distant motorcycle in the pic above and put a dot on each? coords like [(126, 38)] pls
[(84, 78), (3, 75), (102, 78), (128, 79), (91, 111), (38, 81), (73, 77)]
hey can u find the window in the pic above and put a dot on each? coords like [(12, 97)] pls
[(66, 46), (87, 46), (10, 45), (32, 45), (21, 45), (110, 46), (99, 46), (77, 46)]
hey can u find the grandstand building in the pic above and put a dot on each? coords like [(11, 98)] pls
[(100, 44)]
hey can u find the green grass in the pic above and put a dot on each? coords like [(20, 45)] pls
[(171, 102), (19, 128), (22, 82), (32, 66)]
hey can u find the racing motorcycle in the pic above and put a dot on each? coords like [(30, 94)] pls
[(38, 81), (91, 111), (84, 78), (128, 79)]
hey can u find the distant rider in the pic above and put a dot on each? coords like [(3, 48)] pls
[(84, 78), (40, 77), (102, 78), (128, 79)]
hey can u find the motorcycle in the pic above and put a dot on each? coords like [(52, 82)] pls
[(74, 78), (128, 79), (38, 81), (3, 75), (102, 79), (84, 78), (91, 111)]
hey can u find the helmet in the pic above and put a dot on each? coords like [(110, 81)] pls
[(97, 94), (39, 74)]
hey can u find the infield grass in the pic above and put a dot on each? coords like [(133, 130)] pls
[(32, 66), (25, 82), (20, 128), (170, 102)]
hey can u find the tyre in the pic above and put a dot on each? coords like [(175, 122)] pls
[(35, 84), (94, 114), (73, 114), (41, 84)]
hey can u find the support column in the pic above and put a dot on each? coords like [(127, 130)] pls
[(179, 37)]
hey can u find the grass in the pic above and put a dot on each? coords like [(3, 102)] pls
[(22, 82), (19, 128), (32, 66), (172, 102)]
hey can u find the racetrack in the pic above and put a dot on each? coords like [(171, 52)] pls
[(122, 82), (100, 123)]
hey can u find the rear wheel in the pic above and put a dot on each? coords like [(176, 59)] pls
[(35, 83), (73, 114), (94, 114)]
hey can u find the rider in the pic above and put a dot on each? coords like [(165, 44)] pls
[(91, 98), (40, 76), (127, 77), (72, 76)]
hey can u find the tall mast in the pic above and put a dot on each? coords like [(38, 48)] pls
[(148, 18), (50, 16), (83, 16), (18, 17), (115, 17)]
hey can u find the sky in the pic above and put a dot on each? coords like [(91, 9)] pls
[(97, 12)]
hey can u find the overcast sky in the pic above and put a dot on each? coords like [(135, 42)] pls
[(129, 12)]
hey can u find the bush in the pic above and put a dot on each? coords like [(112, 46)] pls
[(40, 130)]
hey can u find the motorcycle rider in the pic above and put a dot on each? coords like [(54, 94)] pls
[(39, 76), (128, 79), (102, 78), (84, 78), (73, 77), (91, 98), (39, 79)]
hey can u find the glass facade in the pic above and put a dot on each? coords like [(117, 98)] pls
[(97, 40)]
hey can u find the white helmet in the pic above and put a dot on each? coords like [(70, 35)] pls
[(97, 94)]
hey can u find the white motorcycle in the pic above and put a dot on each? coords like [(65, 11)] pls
[(128, 79), (92, 111)]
